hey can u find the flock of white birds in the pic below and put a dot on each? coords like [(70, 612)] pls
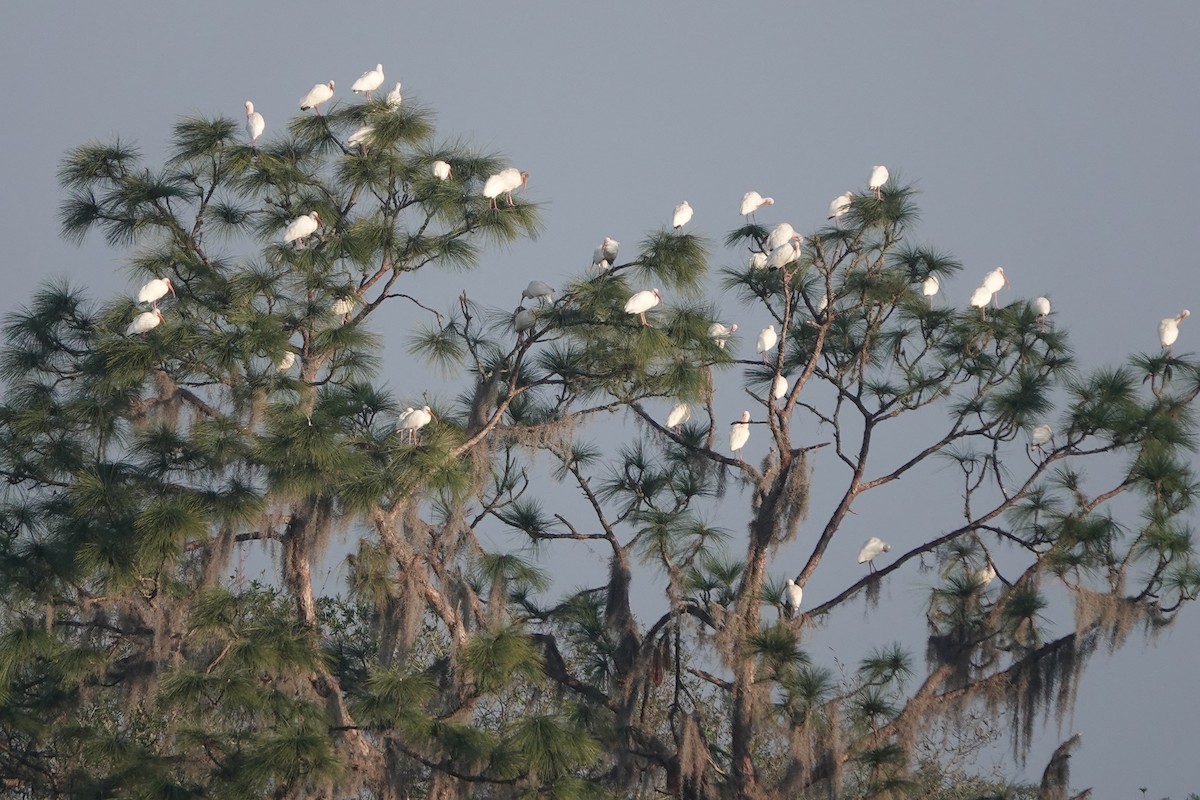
[(783, 247)]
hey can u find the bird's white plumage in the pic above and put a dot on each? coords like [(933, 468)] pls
[(369, 81), (682, 215), (413, 419), (504, 182), (840, 205), (255, 124), (360, 136), (791, 598), (538, 290), (606, 254), (739, 433), (879, 176), (785, 254), (981, 297), (317, 95), (679, 415), (301, 227), (752, 201), (147, 320), (995, 280), (155, 290), (642, 301), (720, 333), (1041, 306), (441, 170), (758, 261), (1168, 329), (285, 361), (984, 575), (931, 287), (1040, 435), (873, 547), (767, 339), (781, 233), (342, 306), (779, 387), (524, 319), (394, 98)]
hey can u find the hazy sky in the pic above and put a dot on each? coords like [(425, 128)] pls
[(1058, 140)]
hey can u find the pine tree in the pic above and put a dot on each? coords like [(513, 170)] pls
[(141, 466)]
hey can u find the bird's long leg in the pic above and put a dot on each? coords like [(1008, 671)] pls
[(644, 323)]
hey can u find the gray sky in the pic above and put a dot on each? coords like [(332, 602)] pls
[(1058, 140)]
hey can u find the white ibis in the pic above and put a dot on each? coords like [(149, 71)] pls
[(758, 261), (524, 319), (343, 307), (255, 124), (994, 281), (720, 333), (1041, 307), (783, 232), (1039, 436), (317, 95), (980, 299), (683, 215), (753, 201), (301, 228), (791, 598), (145, 321), (540, 291), (154, 291), (779, 387), (504, 182), (930, 288), (360, 136), (606, 254), (839, 206), (767, 338), (785, 253), (412, 420), (879, 176), (984, 576), (642, 302), (285, 362), (739, 434), (393, 98), (369, 81), (679, 415), (873, 547), (1168, 329), (441, 170)]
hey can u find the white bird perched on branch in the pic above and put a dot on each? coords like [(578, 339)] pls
[(1039, 436), (540, 291), (980, 299), (767, 338), (360, 136), (682, 216), (343, 307), (994, 281), (720, 333), (255, 124), (1041, 307), (393, 97), (984, 576), (930, 288), (739, 434), (154, 291), (1168, 329), (839, 206), (758, 261), (879, 177), (285, 362), (679, 415), (791, 598), (301, 228), (412, 420), (873, 547), (524, 319), (642, 302), (317, 95), (606, 254), (441, 170), (504, 182), (779, 387), (369, 81), (781, 233), (753, 201), (145, 321), (786, 253)]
